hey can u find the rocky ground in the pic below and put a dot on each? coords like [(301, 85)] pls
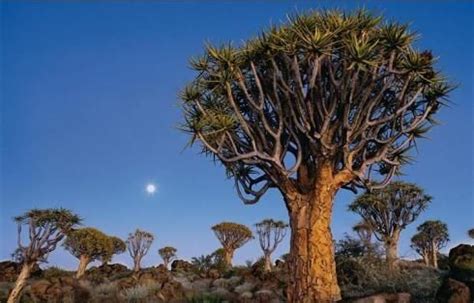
[(413, 282)]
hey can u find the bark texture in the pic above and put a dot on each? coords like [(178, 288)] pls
[(391, 253), (20, 283), (81, 270), (267, 263), (312, 266), (228, 256)]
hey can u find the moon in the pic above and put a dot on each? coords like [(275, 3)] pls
[(150, 188)]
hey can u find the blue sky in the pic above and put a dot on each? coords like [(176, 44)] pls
[(89, 112)]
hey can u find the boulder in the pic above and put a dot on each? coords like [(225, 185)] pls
[(452, 291), (461, 264), (59, 290), (386, 298), (181, 265), (213, 274), (265, 295), (244, 287)]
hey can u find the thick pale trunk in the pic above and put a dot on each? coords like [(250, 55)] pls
[(268, 262), (312, 266), (136, 264), (426, 258), (81, 270), (228, 256), (165, 263), (20, 283), (434, 255), (391, 252)]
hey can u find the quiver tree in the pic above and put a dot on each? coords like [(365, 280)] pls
[(88, 244), (431, 237), (118, 247), (270, 234), (389, 210), (327, 101), (232, 236), (364, 231), (46, 228), (138, 245), (167, 253)]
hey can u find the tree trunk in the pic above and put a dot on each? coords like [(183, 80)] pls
[(391, 252), (312, 266), (20, 283), (83, 262), (426, 258), (434, 255), (136, 264), (268, 262), (228, 256), (165, 263)]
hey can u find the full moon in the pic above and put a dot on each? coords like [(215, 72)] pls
[(151, 188)]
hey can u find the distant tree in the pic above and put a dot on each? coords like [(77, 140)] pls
[(364, 231), (389, 211), (118, 247), (87, 244), (46, 228), (138, 245), (232, 236), (167, 253), (471, 233), (215, 260), (431, 237), (327, 101), (270, 234)]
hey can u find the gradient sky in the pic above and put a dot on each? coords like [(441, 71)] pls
[(89, 114)]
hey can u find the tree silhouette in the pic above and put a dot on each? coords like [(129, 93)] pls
[(270, 234), (327, 101), (167, 253), (389, 211), (232, 236), (138, 245), (364, 231), (431, 237), (46, 228), (471, 233)]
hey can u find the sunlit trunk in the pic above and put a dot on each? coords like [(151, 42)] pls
[(136, 264), (267, 262), (312, 266), (165, 263), (15, 294), (83, 262), (391, 250), (228, 256), (434, 255)]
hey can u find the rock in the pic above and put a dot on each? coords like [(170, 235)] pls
[(461, 263), (59, 290), (386, 298), (246, 295), (452, 291), (220, 283), (10, 270), (233, 281), (181, 265), (184, 281), (106, 272)]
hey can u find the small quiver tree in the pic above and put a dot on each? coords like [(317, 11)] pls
[(364, 231), (431, 237), (46, 228), (270, 234), (389, 210), (138, 244), (327, 101), (87, 244), (231, 236), (167, 253), (471, 233)]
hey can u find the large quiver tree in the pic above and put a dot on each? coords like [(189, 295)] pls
[(389, 210), (46, 228), (328, 100), (88, 244), (232, 236)]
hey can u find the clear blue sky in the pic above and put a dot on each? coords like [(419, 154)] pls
[(89, 113)]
